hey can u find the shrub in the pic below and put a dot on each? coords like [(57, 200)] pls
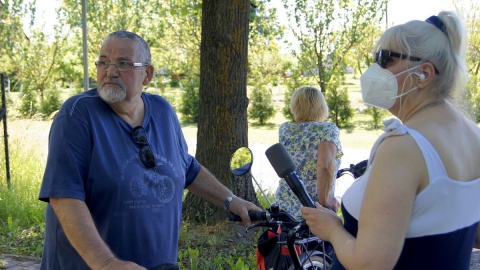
[(338, 102), (377, 115), (51, 102), (190, 100), (261, 105), (28, 105)]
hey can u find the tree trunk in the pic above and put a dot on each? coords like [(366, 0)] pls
[(222, 126)]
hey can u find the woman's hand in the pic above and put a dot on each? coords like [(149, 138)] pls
[(322, 221)]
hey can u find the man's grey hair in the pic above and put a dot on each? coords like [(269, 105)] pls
[(145, 54)]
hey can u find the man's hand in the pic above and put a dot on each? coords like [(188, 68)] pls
[(240, 207), (117, 264)]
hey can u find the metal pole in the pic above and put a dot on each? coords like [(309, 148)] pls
[(3, 115), (85, 45), (386, 15)]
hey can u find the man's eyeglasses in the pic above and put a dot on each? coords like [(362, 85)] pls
[(121, 66), (383, 57), (146, 154)]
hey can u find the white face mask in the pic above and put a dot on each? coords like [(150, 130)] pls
[(379, 86)]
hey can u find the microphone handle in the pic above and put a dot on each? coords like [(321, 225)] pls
[(298, 188)]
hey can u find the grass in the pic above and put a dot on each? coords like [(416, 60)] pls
[(21, 214), (201, 247)]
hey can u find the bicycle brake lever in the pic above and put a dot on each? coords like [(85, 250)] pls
[(254, 226)]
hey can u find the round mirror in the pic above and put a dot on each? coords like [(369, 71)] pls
[(241, 161)]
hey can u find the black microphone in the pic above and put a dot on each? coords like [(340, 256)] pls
[(285, 168)]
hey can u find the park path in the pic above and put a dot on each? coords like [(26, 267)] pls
[(13, 262)]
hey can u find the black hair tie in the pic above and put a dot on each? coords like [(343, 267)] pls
[(438, 23)]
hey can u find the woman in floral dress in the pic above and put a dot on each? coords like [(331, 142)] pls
[(315, 148)]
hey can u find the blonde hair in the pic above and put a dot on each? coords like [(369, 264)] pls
[(442, 45), (308, 104)]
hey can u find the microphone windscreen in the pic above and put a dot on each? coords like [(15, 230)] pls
[(280, 159)]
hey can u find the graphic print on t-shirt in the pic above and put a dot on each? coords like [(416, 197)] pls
[(144, 183)]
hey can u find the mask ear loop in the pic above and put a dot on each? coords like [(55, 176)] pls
[(403, 94)]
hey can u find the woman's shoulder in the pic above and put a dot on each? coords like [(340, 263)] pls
[(323, 126)]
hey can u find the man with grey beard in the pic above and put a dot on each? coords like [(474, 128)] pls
[(117, 168)]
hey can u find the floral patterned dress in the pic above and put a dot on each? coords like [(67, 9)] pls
[(302, 141)]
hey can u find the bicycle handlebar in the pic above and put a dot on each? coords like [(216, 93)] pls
[(265, 216)]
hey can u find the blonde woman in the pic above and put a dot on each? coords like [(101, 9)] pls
[(315, 148), (417, 206)]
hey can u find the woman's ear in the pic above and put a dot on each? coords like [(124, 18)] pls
[(425, 74)]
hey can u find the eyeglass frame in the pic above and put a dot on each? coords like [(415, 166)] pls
[(129, 64), (145, 147), (382, 60)]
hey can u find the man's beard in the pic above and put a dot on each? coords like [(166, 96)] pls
[(112, 93)]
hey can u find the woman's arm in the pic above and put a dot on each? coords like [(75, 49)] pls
[(397, 173), (327, 152)]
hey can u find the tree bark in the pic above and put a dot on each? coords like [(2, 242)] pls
[(222, 126)]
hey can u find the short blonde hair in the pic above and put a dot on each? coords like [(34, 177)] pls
[(308, 104)]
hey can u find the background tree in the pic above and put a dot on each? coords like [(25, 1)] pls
[(327, 31), (293, 81), (472, 20), (222, 125), (31, 58), (360, 57)]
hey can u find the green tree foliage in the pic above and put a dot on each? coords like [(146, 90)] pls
[(261, 105), (338, 103), (377, 115), (328, 30), (12, 19), (264, 58), (103, 17), (51, 103), (472, 19), (31, 58), (293, 81), (190, 100), (28, 106), (361, 55), (473, 97)]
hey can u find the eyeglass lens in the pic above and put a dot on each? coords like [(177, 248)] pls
[(382, 58), (146, 154)]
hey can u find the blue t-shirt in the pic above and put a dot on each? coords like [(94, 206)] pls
[(93, 157)]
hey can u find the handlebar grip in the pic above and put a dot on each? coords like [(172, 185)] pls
[(254, 215)]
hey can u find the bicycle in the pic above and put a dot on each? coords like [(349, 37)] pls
[(287, 243)]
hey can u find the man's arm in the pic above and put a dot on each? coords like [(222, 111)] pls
[(82, 233), (208, 187)]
